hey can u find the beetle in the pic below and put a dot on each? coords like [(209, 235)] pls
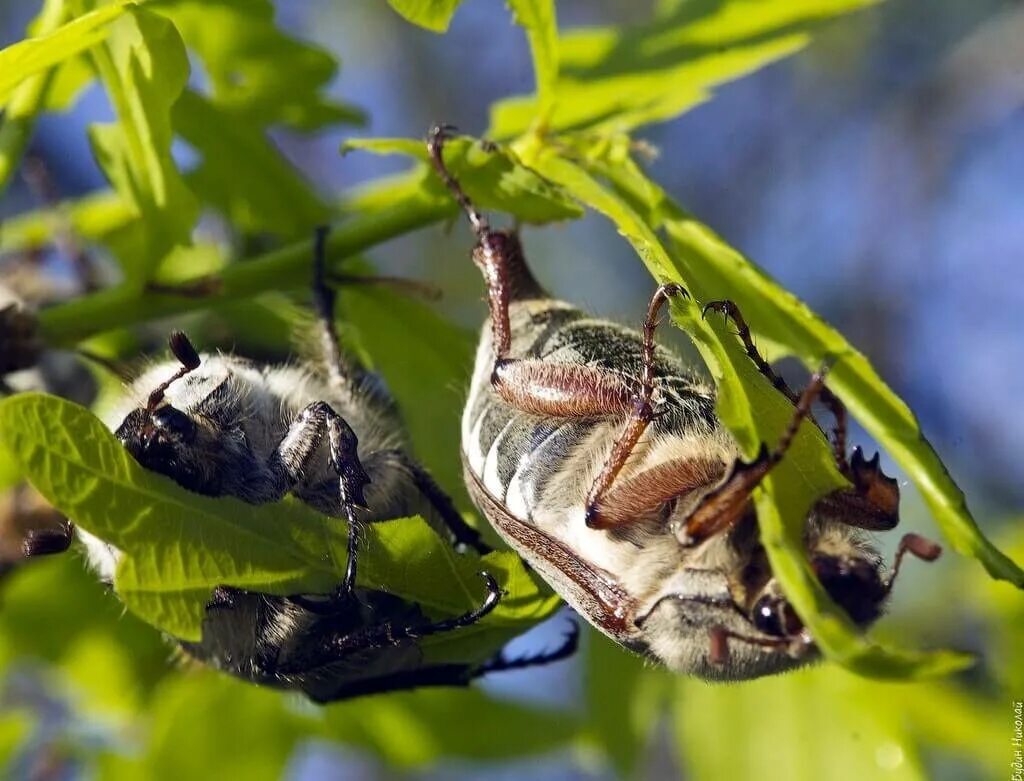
[(597, 455), (328, 433)]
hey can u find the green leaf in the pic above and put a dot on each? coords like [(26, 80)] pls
[(716, 270), (418, 728), (626, 699), (29, 57), (51, 609), (754, 413), (615, 79), (243, 175), (433, 15), (492, 176), (259, 75), (426, 362), (27, 98), (92, 218), (144, 68), (9, 471), (537, 17), (178, 545), (16, 728), (845, 728), (206, 725)]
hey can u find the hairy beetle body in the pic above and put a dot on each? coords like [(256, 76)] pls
[(597, 455), (328, 433)]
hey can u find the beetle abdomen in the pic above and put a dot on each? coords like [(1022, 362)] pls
[(540, 467)]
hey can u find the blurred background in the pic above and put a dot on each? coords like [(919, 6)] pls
[(877, 174)]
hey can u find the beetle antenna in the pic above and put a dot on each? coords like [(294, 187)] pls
[(919, 546), (182, 349), (435, 146)]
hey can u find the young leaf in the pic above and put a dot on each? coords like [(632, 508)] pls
[(242, 174), (537, 17), (613, 79), (178, 545), (433, 15), (230, 729), (626, 701), (92, 218), (29, 57), (491, 175), (716, 270), (426, 362), (144, 68), (803, 476), (26, 100), (259, 75), (847, 729), (418, 728)]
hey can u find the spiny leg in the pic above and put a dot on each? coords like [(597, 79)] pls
[(725, 505), (339, 372), (433, 494), (838, 410), (732, 312), (334, 647), (500, 664), (299, 446), (494, 594), (829, 399), (641, 415), (535, 386)]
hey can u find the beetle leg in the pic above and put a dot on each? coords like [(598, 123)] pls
[(641, 415), (829, 399), (721, 508), (342, 375), (299, 446), (333, 647), (430, 494), (501, 664), (538, 387)]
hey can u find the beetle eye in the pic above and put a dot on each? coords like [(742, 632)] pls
[(174, 422), (774, 616)]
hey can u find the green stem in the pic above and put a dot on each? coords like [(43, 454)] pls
[(67, 324)]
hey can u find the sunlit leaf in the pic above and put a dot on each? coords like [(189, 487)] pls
[(489, 174), (426, 362), (538, 19), (434, 15), (258, 73), (144, 69), (92, 217), (242, 174), (615, 79), (179, 545), (205, 725), (844, 726), (10, 473), (28, 57), (626, 699), (756, 413)]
